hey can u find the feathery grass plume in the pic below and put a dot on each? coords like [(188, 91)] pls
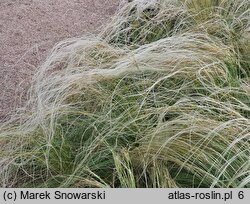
[(197, 145), (141, 22), (159, 99)]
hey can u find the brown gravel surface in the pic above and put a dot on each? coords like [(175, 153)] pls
[(29, 28)]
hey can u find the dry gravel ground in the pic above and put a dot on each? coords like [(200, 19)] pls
[(29, 28)]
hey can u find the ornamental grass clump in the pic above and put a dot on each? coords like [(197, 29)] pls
[(160, 98)]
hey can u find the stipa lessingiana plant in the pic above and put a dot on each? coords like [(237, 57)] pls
[(159, 99)]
